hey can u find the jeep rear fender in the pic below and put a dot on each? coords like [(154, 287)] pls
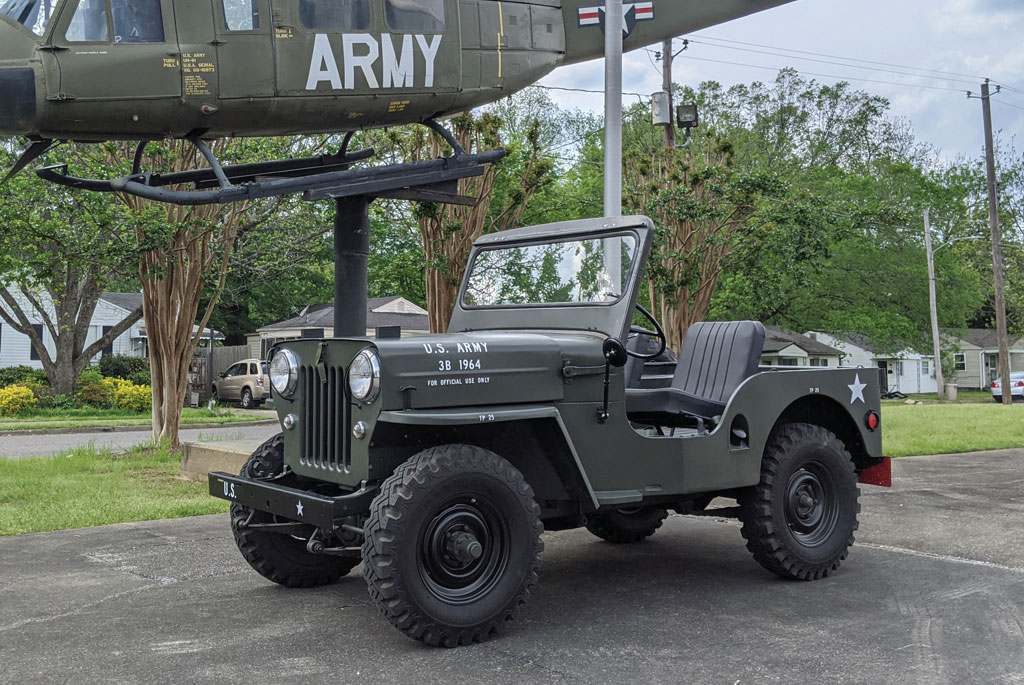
[(534, 439)]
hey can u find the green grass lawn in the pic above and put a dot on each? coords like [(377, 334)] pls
[(914, 429), (100, 418), (85, 487)]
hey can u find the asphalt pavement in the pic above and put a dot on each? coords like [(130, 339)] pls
[(933, 592), (13, 446)]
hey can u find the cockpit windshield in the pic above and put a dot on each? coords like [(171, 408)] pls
[(591, 271), (33, 14)]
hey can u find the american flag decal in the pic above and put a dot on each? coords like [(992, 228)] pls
[(632, 12)]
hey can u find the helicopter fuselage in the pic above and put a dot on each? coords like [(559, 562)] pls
[(149, 69)]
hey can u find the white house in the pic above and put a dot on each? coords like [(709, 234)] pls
[(112, 308), (787, 348), (908, 371)]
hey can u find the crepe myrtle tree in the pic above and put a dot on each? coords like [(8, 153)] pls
[(59, 250)]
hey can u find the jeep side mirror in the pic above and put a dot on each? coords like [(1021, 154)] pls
[(614, 352)]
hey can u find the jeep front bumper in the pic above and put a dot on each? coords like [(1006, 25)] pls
[(294, 504)]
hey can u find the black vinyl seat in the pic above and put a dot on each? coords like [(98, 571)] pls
[(717, 356)]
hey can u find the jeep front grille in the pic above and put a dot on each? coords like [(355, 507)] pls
[(325, 419)]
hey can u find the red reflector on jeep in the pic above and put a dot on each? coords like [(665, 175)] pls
[(879, 474), (872, 419)]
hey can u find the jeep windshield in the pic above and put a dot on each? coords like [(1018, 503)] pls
[(577, 271)]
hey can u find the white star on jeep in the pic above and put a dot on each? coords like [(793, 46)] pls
[(857, 390), (298, 508)]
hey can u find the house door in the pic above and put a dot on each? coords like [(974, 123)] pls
[(884, 366)]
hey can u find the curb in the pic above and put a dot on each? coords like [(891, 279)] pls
[(131, 429)]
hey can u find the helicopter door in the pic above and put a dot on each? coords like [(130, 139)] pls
[(379, 47), (117, 50), (245, 58)]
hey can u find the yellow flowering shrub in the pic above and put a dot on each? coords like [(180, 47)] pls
[(15, 399), (133, 397)]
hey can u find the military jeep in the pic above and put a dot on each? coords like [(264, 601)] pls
[(438, 461)]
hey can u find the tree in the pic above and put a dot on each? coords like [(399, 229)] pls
[(59, 250)]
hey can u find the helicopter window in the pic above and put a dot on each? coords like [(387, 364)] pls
[(89, 23), (241, 15), (138, 21), (415, 15), (335, 15), (34, 14)]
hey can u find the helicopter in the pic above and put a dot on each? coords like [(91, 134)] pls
[(146, 70)]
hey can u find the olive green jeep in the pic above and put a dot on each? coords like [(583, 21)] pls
[(438, 461)]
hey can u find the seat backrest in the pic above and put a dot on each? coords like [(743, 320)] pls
[(634, 368), (717, 356)]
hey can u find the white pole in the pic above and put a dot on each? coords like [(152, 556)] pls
[(613, 134), (932, 307)]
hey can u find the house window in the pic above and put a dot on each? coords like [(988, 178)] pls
[(787, 362), (926, 368), (109, 349), (421, 16), (819, 361), (335, 15), (898, 368), (38, 328), (960, 362)]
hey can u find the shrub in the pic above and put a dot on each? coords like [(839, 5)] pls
[(14, 374), (63, 402), (15, 399), (141, 378), (43, 393), (122, 366), (95, 390), (133, 397), (39, 378)]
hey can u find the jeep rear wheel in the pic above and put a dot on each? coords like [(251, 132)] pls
[(799, 520), (625, 526), (452, 545), (276, 556)]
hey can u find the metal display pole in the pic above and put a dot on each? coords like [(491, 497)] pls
[(613, 134), (940, 389), (351, 253)]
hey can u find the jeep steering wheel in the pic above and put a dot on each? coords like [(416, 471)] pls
[(658, 333)]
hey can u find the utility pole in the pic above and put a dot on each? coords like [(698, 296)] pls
[(997, 250), (666, 85), (939, 387)]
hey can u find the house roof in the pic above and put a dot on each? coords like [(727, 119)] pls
[(126, 301), (380, 311), (986, 338), (776, 339)]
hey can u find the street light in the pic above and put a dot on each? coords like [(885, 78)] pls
[(939, 382)]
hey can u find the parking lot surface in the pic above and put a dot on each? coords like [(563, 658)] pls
[(933, 592)]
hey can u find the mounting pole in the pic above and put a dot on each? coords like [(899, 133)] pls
[(666, 85), (613, 133), (997, 250), (351, 253)]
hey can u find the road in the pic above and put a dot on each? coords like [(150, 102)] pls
[(933, 592), (45, 445)]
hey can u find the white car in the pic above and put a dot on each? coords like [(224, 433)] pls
[(1016, 387)]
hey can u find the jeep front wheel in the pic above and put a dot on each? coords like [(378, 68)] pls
[(625, 526), (799, 520), (452, 545), (276, 556)]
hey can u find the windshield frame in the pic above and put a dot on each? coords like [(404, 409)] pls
[(624, 286)]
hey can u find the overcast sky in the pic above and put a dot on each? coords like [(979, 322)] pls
[(964, 39)]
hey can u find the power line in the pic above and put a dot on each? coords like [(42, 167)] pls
[(1007, 104), (974, 77), (586, 90), (839, 64), (842, 78)]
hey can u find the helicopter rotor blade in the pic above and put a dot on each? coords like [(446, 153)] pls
[(30, 155)]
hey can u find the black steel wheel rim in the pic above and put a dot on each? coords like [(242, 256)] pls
[(464, 550), (812, 504)]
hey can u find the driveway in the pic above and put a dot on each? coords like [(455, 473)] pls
[(49, 444), (933, 592)]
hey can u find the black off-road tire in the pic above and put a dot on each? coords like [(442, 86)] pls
[(246, 399), (626, 526), (415, 576), (277, 557), (799, 520)]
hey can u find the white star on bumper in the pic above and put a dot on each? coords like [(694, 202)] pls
[(298, 508), (857, 390)]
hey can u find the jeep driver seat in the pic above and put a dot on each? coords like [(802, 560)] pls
[(717, 356)]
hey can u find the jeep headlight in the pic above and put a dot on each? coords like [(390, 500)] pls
[(284, 372), (364, 375)]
